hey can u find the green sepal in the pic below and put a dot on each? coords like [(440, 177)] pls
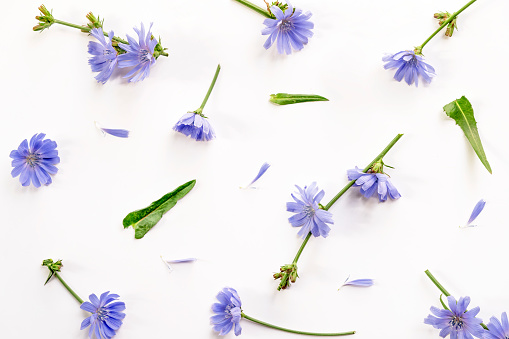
[(462, 112), (144, 219), (287, 99), (443, 304)]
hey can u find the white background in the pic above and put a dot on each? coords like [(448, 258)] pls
[(241, 237)]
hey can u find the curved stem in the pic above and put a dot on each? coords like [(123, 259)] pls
[(87, 30), (69, 288), (304, 243), (294, 331), (210, 89), (256, 8), (446, 22)]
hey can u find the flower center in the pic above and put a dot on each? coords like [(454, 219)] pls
[(102, 314), (32, 159), (457, 323), (286, 25), (228, 311), (310, 211), (145, 55)]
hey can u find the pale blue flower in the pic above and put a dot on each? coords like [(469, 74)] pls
[(140, 55), (261, 172), (196, 126), (106, 316), (308, 213), (371, 182), (477, 210), (35, 161), (227, 311), (457, 321), (290, 28), (410, 67), (497, 329), (105, 57)]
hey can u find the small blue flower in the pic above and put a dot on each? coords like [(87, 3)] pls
[(291, 28), (105, 57), (456, 322), (228, 312), (477, 210), (497, 329), (308, 213), (371, 182), (34, 162), (106, 316), (410, 66), (196, 126), (139, 55)]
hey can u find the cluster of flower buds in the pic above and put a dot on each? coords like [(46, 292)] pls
[(276, 3), (288, 275), (442, 18), (52, 266), (45, 19), (94, 22)]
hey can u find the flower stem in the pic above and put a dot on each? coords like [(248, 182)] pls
[(294, 331), (68, 288), (446, 22), (87, 30), (256, 8), (304, 243), (199, 110), (444, 291)]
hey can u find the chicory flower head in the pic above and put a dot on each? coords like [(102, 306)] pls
[(227, 311), (309, 215), (35, 161), (497, 329), (105, 57), (196, 126), (457, 321), (291, 28), (106, 316), (140, 55), (371, 182), (410, 66)]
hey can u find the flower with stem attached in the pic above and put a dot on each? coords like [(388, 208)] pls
[(374, 180), (228, 313), (410, 64), (195, 124), (106, 313)]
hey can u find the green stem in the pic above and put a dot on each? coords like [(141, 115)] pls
[(256, 8), (199, 110), (87, 30), (444, 291), (304, 243), (446, 22), (294, 331), (69, 288)]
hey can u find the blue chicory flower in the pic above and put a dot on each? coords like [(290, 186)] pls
[(35, 161), (261, 172), (290, 28), (456, 322), (196, 126), (477, 210), (309, 215), (105, 57), (497, 329), (139, 55), (410, 66), (370, 182), (106, 316), (359, 282), (228, 312)]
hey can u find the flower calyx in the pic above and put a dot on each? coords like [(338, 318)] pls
[(53, 267), (46, 19), (94, 23), (378, 167), (288, 275), (281, 5), (159, 50)]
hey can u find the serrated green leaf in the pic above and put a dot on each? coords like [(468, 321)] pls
[(287, 99), (462, 112), (144, 219)]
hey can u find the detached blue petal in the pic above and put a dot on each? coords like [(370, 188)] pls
[(262, 171), (121, 133), (477, 210), (359, 282)]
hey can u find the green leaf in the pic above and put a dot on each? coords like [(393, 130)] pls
[(462, 112), (287, 99), (146, 218)]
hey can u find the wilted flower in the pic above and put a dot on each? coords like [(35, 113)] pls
[(139, 55), (309, 215), (196, 126), (228, 312), (106, 316), (34, 162), (456, 322), (291, 28), (410, 66), (105, 57), (371, 182)]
